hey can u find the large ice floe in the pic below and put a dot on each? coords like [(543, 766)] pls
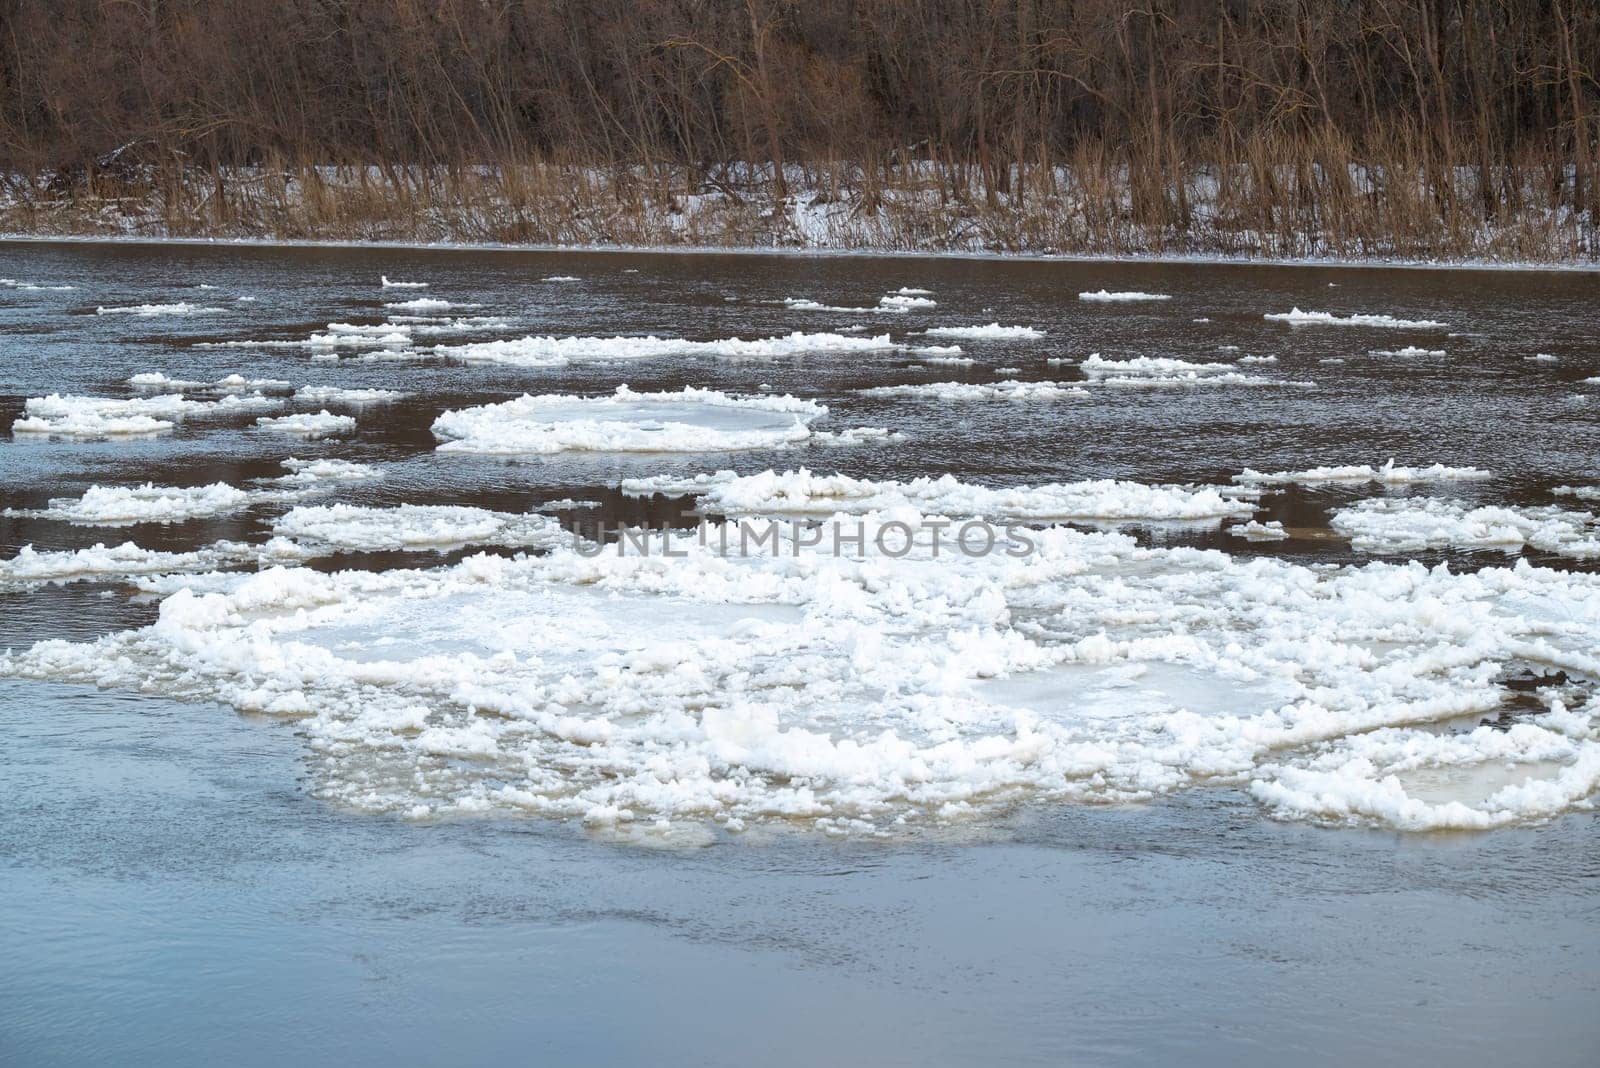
[(859, 691), (692, 420), (561, 351), (1409, 524), (1317, 318)]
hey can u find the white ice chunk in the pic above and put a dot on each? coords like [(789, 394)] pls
[(692, 420)]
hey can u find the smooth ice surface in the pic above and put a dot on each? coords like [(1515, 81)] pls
[(436, 528), (692, 420)]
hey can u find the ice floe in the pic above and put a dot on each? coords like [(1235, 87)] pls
[(308, 473), (12, 283), (1164, 371), (1410, 524), (122, 506), (151, 311), (343, 395), (1257, 531), (1408, 351), (861, 692), (412, 527), (1010, 389), (1317, 318), (31, 566), (1388, 473), (425, 304), (1132, 296), (560, 351), (691, 420), (803, 492), (321, 424), (389, 283), (989, 331), (102, 417)]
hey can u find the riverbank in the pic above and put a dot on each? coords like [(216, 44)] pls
[(1364, 219)]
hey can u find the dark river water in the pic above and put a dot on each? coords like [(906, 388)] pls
[(176, 886)]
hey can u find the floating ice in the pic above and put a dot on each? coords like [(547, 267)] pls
[(342, 395), (805, 493), (1257, 359), (1103, 296), (560, 351), (891, 304), (1387, 473), (388, 284), (1010, 389), (122, 506), (562, 278), (321, 424), (979, 333), (1315, 318), (1541, 357), (693, 420), (100, 562), (100, 417), (1164, 371), (150, 311), (413, 527), (307, 473), (1585, 493), (1257, 531), (1408, 351), (231, 385), (12, 283), (854, 692), (1410, 524), (426, 304)]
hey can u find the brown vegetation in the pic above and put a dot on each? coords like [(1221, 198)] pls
[(1352, 127)]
